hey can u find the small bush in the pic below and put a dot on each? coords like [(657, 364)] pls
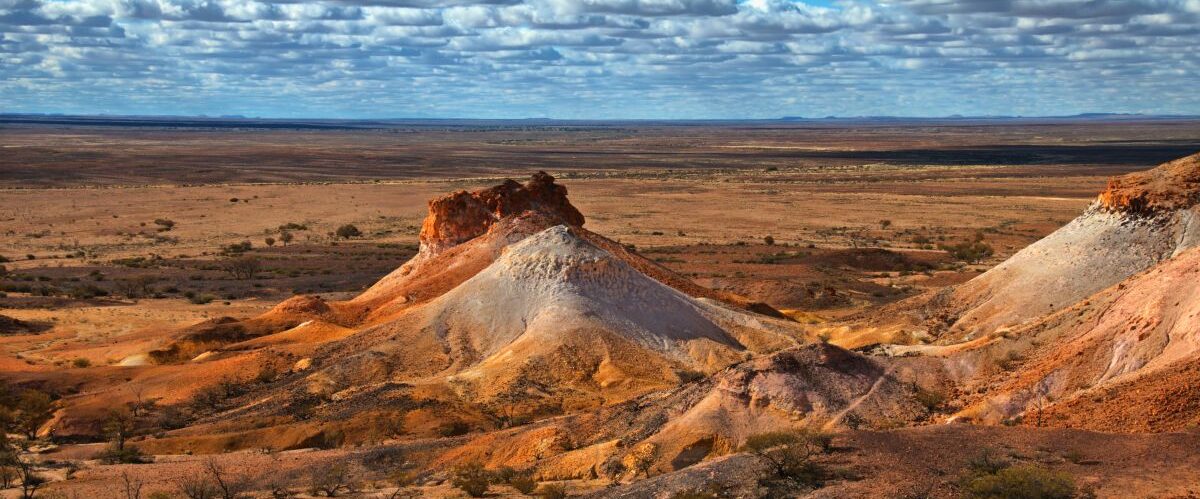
[(969, 252), (1022, 482), (332, 480), (81, 362), (790, 455), (200, 299), (694, 494), (987, 462), (1074, 456), (86, 291), (127, 455), (523, 483), (454, 429), (241, 247), (552, 491), (172, 418), (932, 400), (689, 376), (348, 231), (472, 478)]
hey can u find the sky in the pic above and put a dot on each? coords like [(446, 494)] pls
[(599, 59)]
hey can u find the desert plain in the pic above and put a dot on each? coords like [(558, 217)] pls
[(116, 238)]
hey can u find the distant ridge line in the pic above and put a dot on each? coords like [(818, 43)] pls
[(136, 121)]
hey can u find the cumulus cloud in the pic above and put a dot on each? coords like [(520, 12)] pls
[(599, 58)]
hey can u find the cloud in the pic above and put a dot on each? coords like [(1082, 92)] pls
[(599, 58)]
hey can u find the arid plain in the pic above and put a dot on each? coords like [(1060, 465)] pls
[(119, 238)]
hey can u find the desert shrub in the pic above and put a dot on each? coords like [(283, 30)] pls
[(199, 299), (332, 480), (383, 458), (694, 494), (987, 462), (197, 487), (30, 479), (932, 400), (279, 489), (210, 398), (688, 376), (213, 482), (1075, 456), (523, 483), (552, 491), (1022, 482), (270, 241), (242, 267), (124, 455), (86, 291), (25, 411), (970, 252), (172, 418), (472, 479), (769, 241), (241, 247), (454, 429), (164, 224), (503, 474), (266, 374), (118, 426), (136, 287), (790, 455), (1009, 360), (329, 438), (348, 231), (81, 362)]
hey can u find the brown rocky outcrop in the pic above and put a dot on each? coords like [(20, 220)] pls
[(461, 216), (1171, 186)]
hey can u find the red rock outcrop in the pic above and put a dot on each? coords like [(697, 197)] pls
[(1171, 186), (461, 216)]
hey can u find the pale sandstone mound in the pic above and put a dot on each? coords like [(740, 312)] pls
[(556, 312), (1106, 361), (815, 385), (510, 307), (1140, 220), (463, 234), (466, 231)]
